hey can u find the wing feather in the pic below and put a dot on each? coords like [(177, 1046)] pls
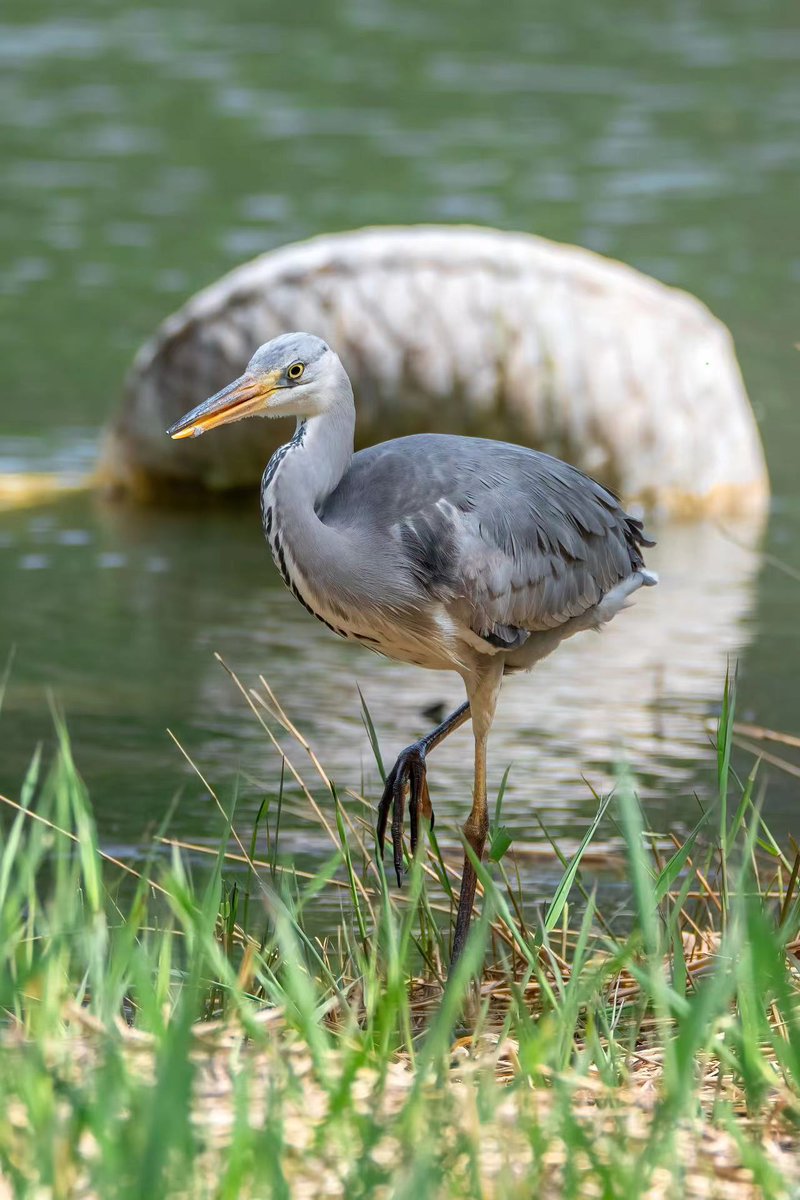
[(512, 541)]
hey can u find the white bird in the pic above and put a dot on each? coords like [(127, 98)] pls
[(452, 553)]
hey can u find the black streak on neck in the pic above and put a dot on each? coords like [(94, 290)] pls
[(267, 516), (280, 455), (271, 470)]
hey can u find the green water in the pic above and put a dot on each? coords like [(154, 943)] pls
[(145, 150)]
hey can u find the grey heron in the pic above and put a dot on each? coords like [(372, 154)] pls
[(452, 553)]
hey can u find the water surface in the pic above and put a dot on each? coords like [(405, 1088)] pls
[(146, 150)]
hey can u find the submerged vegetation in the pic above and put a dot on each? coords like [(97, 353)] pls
[(176, 1031)]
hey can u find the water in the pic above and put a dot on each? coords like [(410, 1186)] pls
[(144, 151)]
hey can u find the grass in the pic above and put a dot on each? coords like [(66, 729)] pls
[(175, 1032)]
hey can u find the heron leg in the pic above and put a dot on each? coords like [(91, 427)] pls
[(483, 699), (409, 774)]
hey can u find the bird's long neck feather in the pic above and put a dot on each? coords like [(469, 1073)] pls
[(296, 482), (308, 468)]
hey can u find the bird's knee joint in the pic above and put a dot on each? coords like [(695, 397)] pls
[(476, 829)]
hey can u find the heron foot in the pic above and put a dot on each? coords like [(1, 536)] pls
[(409, 773)]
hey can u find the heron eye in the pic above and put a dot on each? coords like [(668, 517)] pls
[(295, 370)]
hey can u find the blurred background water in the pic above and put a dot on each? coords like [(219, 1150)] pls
[(145, 150)]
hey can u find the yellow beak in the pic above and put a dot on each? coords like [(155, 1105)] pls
[(245, 397)]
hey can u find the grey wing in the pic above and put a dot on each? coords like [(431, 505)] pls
[(513, 540)]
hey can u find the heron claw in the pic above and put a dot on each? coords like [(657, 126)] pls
[(408, 773)]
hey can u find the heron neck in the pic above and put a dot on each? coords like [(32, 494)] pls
[(314, 560), (307, 469), (325, 451)]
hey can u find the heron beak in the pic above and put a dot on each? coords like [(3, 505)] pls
[(245, 397)]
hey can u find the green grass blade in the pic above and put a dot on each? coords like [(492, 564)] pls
[(561, 894), (672, 869), (369, 725)]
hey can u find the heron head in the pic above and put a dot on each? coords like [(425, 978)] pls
[(294, 375)]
